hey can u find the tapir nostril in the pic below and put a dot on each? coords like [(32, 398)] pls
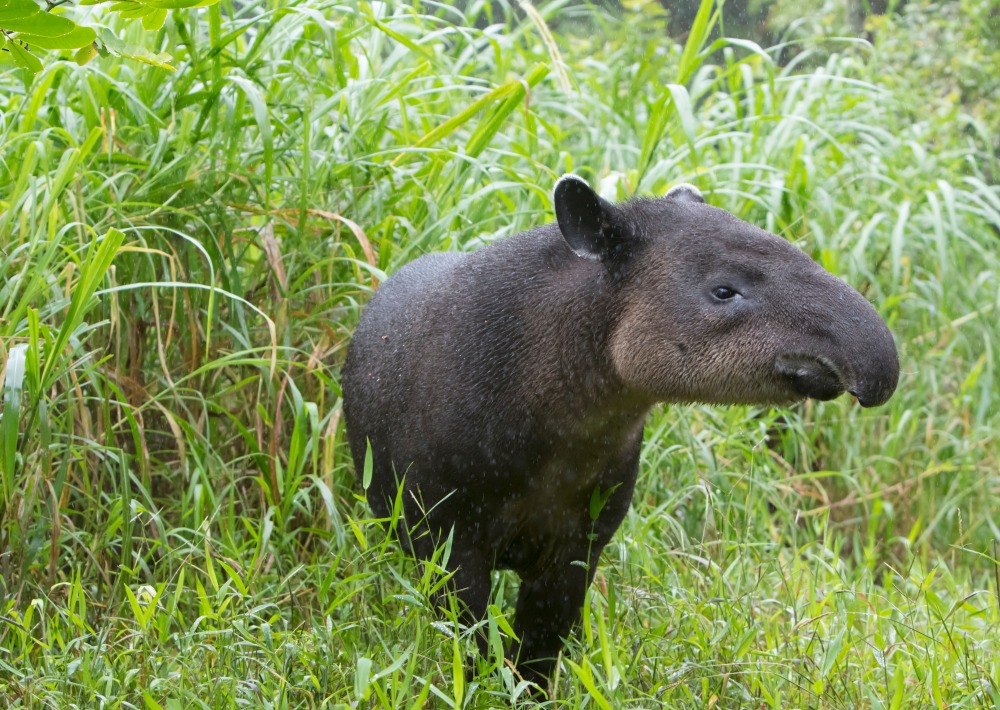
[(811, 376)]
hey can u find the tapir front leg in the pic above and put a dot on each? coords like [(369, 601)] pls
[(471, 579), (550, 603), (548, 607)]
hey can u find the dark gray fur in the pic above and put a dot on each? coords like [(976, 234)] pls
[(510, 383)]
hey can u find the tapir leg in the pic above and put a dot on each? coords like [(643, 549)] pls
[(471, 582), (548, 606), (471, 570)]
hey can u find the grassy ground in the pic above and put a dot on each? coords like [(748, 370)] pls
[(183, 256)]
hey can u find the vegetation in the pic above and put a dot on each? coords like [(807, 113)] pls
[(27, 30), (183, 256)]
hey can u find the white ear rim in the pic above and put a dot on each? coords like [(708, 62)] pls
[(685, 187), (569, 177)]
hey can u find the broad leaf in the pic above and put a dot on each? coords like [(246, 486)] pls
[(41, 24), (154, 20), (22, 57), (85, 54), (76, 38), (17, 9)]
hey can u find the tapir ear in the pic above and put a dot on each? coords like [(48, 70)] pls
[(585, 219), (685, 192)]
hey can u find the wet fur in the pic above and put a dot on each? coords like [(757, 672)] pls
[(510, 383)]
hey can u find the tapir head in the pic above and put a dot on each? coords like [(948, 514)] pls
[(712, 309)]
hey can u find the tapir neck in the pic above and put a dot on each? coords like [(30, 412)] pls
[(570, 377)]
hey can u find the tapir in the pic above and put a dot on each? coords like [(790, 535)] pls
[(503, 392)]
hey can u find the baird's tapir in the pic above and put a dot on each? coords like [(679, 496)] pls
[(504, 389)]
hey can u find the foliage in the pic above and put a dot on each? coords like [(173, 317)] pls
[(182, 259), (25, 28), (951, 68)]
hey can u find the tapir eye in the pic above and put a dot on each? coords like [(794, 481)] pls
[(724, 293)]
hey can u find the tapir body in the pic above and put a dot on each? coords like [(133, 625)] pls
[(506, 389)]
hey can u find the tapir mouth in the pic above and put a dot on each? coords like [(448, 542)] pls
[(818, 377), (811, 376)]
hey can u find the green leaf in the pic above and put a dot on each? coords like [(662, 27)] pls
[(515, 90), (85, 54), (177, 4), (78, 37), (457, 671), (898, 687), (595, 503), (746, 44), (154, 20), (491, 125), (137, 610), (502, 622), (255, 96), (832, 654), (131, 10), (41, 24), (22, 57), (701, 28), (362, 678), (93, 267), (674, 101), (586, 676), (599, 498), (366, 479), (150, 701), (16, 10)]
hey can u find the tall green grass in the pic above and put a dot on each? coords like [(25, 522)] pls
[(182, 259)]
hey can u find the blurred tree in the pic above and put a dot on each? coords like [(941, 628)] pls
[(764, 21)]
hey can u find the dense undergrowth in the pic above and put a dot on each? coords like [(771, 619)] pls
[(183, 256)]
